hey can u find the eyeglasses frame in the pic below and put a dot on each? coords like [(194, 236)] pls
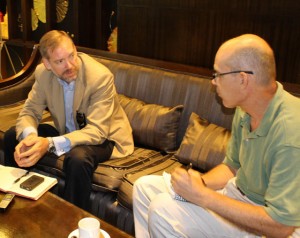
[(216, 75)]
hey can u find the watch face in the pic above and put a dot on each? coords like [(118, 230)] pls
[(52, 149), (51, 146)]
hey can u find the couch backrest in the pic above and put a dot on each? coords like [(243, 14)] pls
[(17, 92), (152, 81), (170, 88)]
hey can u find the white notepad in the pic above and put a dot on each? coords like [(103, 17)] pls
[(8, 176)]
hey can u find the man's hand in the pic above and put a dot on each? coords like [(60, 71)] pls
[(30, 150), (252, 218), (188, 184)]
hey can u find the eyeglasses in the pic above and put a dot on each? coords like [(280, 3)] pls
[(215, 75)]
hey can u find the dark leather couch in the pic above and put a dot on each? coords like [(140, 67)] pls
[(159, 98)]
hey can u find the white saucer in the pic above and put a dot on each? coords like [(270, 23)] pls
[(76, 233)]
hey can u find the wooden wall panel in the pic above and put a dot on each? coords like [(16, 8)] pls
[(191, 31)]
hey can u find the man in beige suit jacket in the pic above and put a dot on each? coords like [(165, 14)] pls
[(90, 124)]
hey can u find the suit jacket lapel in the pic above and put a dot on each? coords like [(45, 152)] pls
[(58, 100), (79, 89)]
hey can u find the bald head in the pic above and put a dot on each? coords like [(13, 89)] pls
[(252, 53)]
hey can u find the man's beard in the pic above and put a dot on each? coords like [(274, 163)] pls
[(64, 76)]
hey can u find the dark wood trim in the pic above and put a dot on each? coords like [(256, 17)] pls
[(26, 18), (292, 88), (75, 17), (50, 12), (12, 19), (21, 43), (170, 66), (190, 32)]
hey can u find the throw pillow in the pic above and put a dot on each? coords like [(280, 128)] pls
[(204, 144), (154, 126)]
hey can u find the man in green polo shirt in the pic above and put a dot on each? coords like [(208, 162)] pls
[(255, 191)]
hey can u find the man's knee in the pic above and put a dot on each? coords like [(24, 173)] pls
[(161, 204), (138, 188), (139, 183), (159, 211), (148, 186), (9, 144), (77, 159), (10, 135)]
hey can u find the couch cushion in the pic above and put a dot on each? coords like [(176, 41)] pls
[(109, 174), (153, 125), (166, 163), (204, 144)]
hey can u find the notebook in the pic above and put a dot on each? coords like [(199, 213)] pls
[(11, 178)]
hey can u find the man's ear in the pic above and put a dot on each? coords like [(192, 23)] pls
[(46, 63), (244, 79)]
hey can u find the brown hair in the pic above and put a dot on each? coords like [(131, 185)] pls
[(51, 40)]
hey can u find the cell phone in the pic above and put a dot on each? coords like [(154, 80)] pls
[(6, 200), (81, 119), (32, 182)]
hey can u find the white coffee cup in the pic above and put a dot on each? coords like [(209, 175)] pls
[(89, 227)]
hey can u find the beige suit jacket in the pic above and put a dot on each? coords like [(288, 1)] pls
[(95, 95)]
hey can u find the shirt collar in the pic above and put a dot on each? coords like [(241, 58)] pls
[(269, 115), (66, 85)]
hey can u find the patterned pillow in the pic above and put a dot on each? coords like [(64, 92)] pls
[(204, 144), (153, 125)]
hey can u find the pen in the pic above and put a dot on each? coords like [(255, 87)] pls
[(18, 179), (189, 166)]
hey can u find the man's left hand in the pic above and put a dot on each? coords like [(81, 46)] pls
[(30, 150)]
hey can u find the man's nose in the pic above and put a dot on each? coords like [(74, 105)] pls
[(68, 63)]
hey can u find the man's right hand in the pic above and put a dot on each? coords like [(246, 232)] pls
[(29, 151)]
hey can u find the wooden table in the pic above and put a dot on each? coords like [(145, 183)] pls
[(50, 216)]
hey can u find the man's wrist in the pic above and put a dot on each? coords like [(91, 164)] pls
[(28, 131), (51, 146)]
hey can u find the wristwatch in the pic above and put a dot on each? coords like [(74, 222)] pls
[(51, 146)]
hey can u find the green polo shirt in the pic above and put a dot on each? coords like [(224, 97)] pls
[(268, 159)]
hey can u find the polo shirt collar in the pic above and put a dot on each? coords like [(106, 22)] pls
[(269, 116)]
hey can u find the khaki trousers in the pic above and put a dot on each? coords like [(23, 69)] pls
[(157, 214)]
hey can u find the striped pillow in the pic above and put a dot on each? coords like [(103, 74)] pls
[(204, 144), (154, 126)]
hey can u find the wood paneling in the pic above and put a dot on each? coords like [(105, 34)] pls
[(191, 31), (182, 31), (86, 21)]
